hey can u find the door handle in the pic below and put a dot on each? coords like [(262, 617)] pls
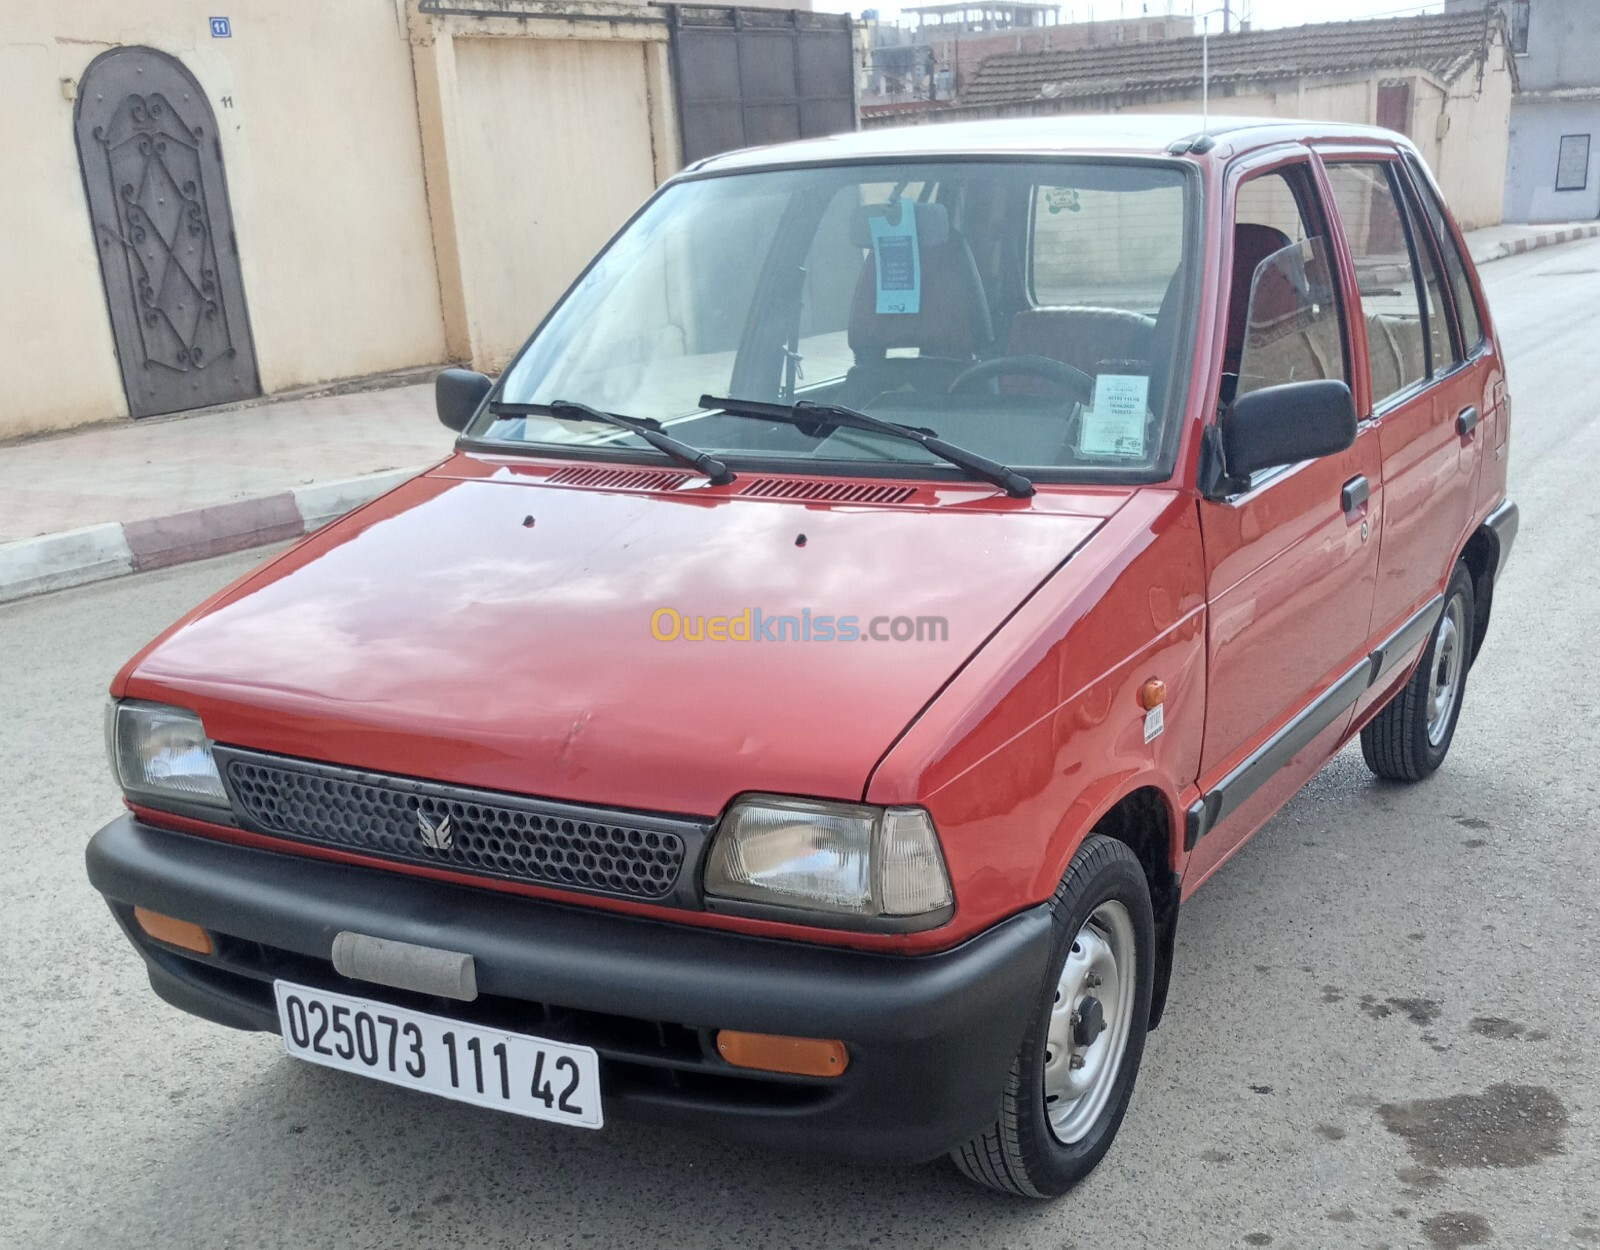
[(1355, 493), (1467, 421)]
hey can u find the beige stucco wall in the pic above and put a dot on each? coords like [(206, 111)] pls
[(317, 120), (406, 187), (1469, 159), (56, 356), (541, 138)]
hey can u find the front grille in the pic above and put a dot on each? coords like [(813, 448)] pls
[(474, 831)]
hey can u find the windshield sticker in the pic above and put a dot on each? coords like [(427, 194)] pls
[(1115, 425), (1058, 199), (899, 268)]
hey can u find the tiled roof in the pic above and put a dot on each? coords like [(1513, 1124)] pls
[(898, 108), (1443, 44)]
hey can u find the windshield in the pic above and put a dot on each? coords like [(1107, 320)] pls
[(1029, 312)]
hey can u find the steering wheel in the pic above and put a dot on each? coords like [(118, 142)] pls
[(1078, 384)]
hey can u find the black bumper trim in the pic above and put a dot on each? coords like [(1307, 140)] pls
[(1503, 523), (931, 1037)]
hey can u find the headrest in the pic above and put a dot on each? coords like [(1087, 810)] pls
[(1252, 244), (933, 222), (953, 321)]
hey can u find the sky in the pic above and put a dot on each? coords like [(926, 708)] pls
[(1261, 12)]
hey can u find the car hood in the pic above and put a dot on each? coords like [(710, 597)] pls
[(482, 627)]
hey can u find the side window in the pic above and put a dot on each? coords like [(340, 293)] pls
[(1441, 350), (1395, 303), (1283, 316), (1455, 265)]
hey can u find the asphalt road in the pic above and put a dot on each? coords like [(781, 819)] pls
[(1382, 1028)]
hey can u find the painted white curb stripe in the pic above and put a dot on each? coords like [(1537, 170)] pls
[(328, 501), (32, 566)]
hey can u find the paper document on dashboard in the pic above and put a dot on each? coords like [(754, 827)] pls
[(1115, 425)]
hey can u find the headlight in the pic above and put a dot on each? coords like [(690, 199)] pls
[(845, 859), (162, 753)]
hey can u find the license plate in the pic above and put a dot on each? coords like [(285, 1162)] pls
[(507, 1071)]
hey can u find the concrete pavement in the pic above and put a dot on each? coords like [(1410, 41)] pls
[(1498, 242), (112, 499), (1381, 1032)]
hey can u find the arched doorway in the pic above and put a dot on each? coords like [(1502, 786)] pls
[(152, 171)]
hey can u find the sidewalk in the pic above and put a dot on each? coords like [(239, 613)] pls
[(122, 498), (1497, 242), (119, 498)]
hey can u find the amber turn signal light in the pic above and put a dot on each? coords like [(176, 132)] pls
[(1152, 694), (770, 1052), (191, 937)]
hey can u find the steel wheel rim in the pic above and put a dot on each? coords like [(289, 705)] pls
[(1080, 1074), (1444, 682)]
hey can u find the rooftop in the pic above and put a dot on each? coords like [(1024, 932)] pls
[(1445, 45), (1138, 134), (960, 6)]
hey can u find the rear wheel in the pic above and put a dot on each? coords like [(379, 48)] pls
[(1409, 738), (1070, 1084)]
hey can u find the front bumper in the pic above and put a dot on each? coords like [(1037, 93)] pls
[(931, 1037)]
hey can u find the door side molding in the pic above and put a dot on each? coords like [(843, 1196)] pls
[(1211, 808)]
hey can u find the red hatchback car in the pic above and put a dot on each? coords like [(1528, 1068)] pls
[(900, 570)]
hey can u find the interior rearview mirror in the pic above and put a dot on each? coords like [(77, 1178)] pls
[(457, 394), (1287, 424)]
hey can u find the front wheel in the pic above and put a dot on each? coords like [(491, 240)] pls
[(1070, 1084), (1409, 738)]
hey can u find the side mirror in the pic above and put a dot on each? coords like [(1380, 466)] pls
[(1287, 424), (457, 394)]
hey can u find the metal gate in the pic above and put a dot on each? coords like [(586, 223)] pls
[(751, 76), (152, 171)]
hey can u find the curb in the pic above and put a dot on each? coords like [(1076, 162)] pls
[(1533, 243), (33, 566)]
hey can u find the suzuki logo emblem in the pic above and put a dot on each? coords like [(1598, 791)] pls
[(437, 835)]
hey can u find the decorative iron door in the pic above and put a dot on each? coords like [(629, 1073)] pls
[(152, 171)]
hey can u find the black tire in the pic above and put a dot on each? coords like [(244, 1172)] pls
[(1396, 742), (1020, 1153)]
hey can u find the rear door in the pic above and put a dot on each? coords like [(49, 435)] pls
[(1425, 393), (1477, 344), (1292, 558)]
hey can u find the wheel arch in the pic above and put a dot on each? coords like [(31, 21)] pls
[(1482, 556), (1149, 821)]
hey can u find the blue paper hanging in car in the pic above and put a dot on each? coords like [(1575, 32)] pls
[(899, 266)]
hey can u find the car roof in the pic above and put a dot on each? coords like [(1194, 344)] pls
[(1148, 134)]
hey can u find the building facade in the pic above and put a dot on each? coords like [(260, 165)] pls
[(933, 51), (207, 209), (1553, 168), (1444, 80)]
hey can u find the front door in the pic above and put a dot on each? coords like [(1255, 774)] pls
[(152, 171), (1292, 558)]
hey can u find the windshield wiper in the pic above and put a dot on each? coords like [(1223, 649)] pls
[(814, 419), (647, 429)]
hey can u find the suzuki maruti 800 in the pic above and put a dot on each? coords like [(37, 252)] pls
[(900, 570)]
